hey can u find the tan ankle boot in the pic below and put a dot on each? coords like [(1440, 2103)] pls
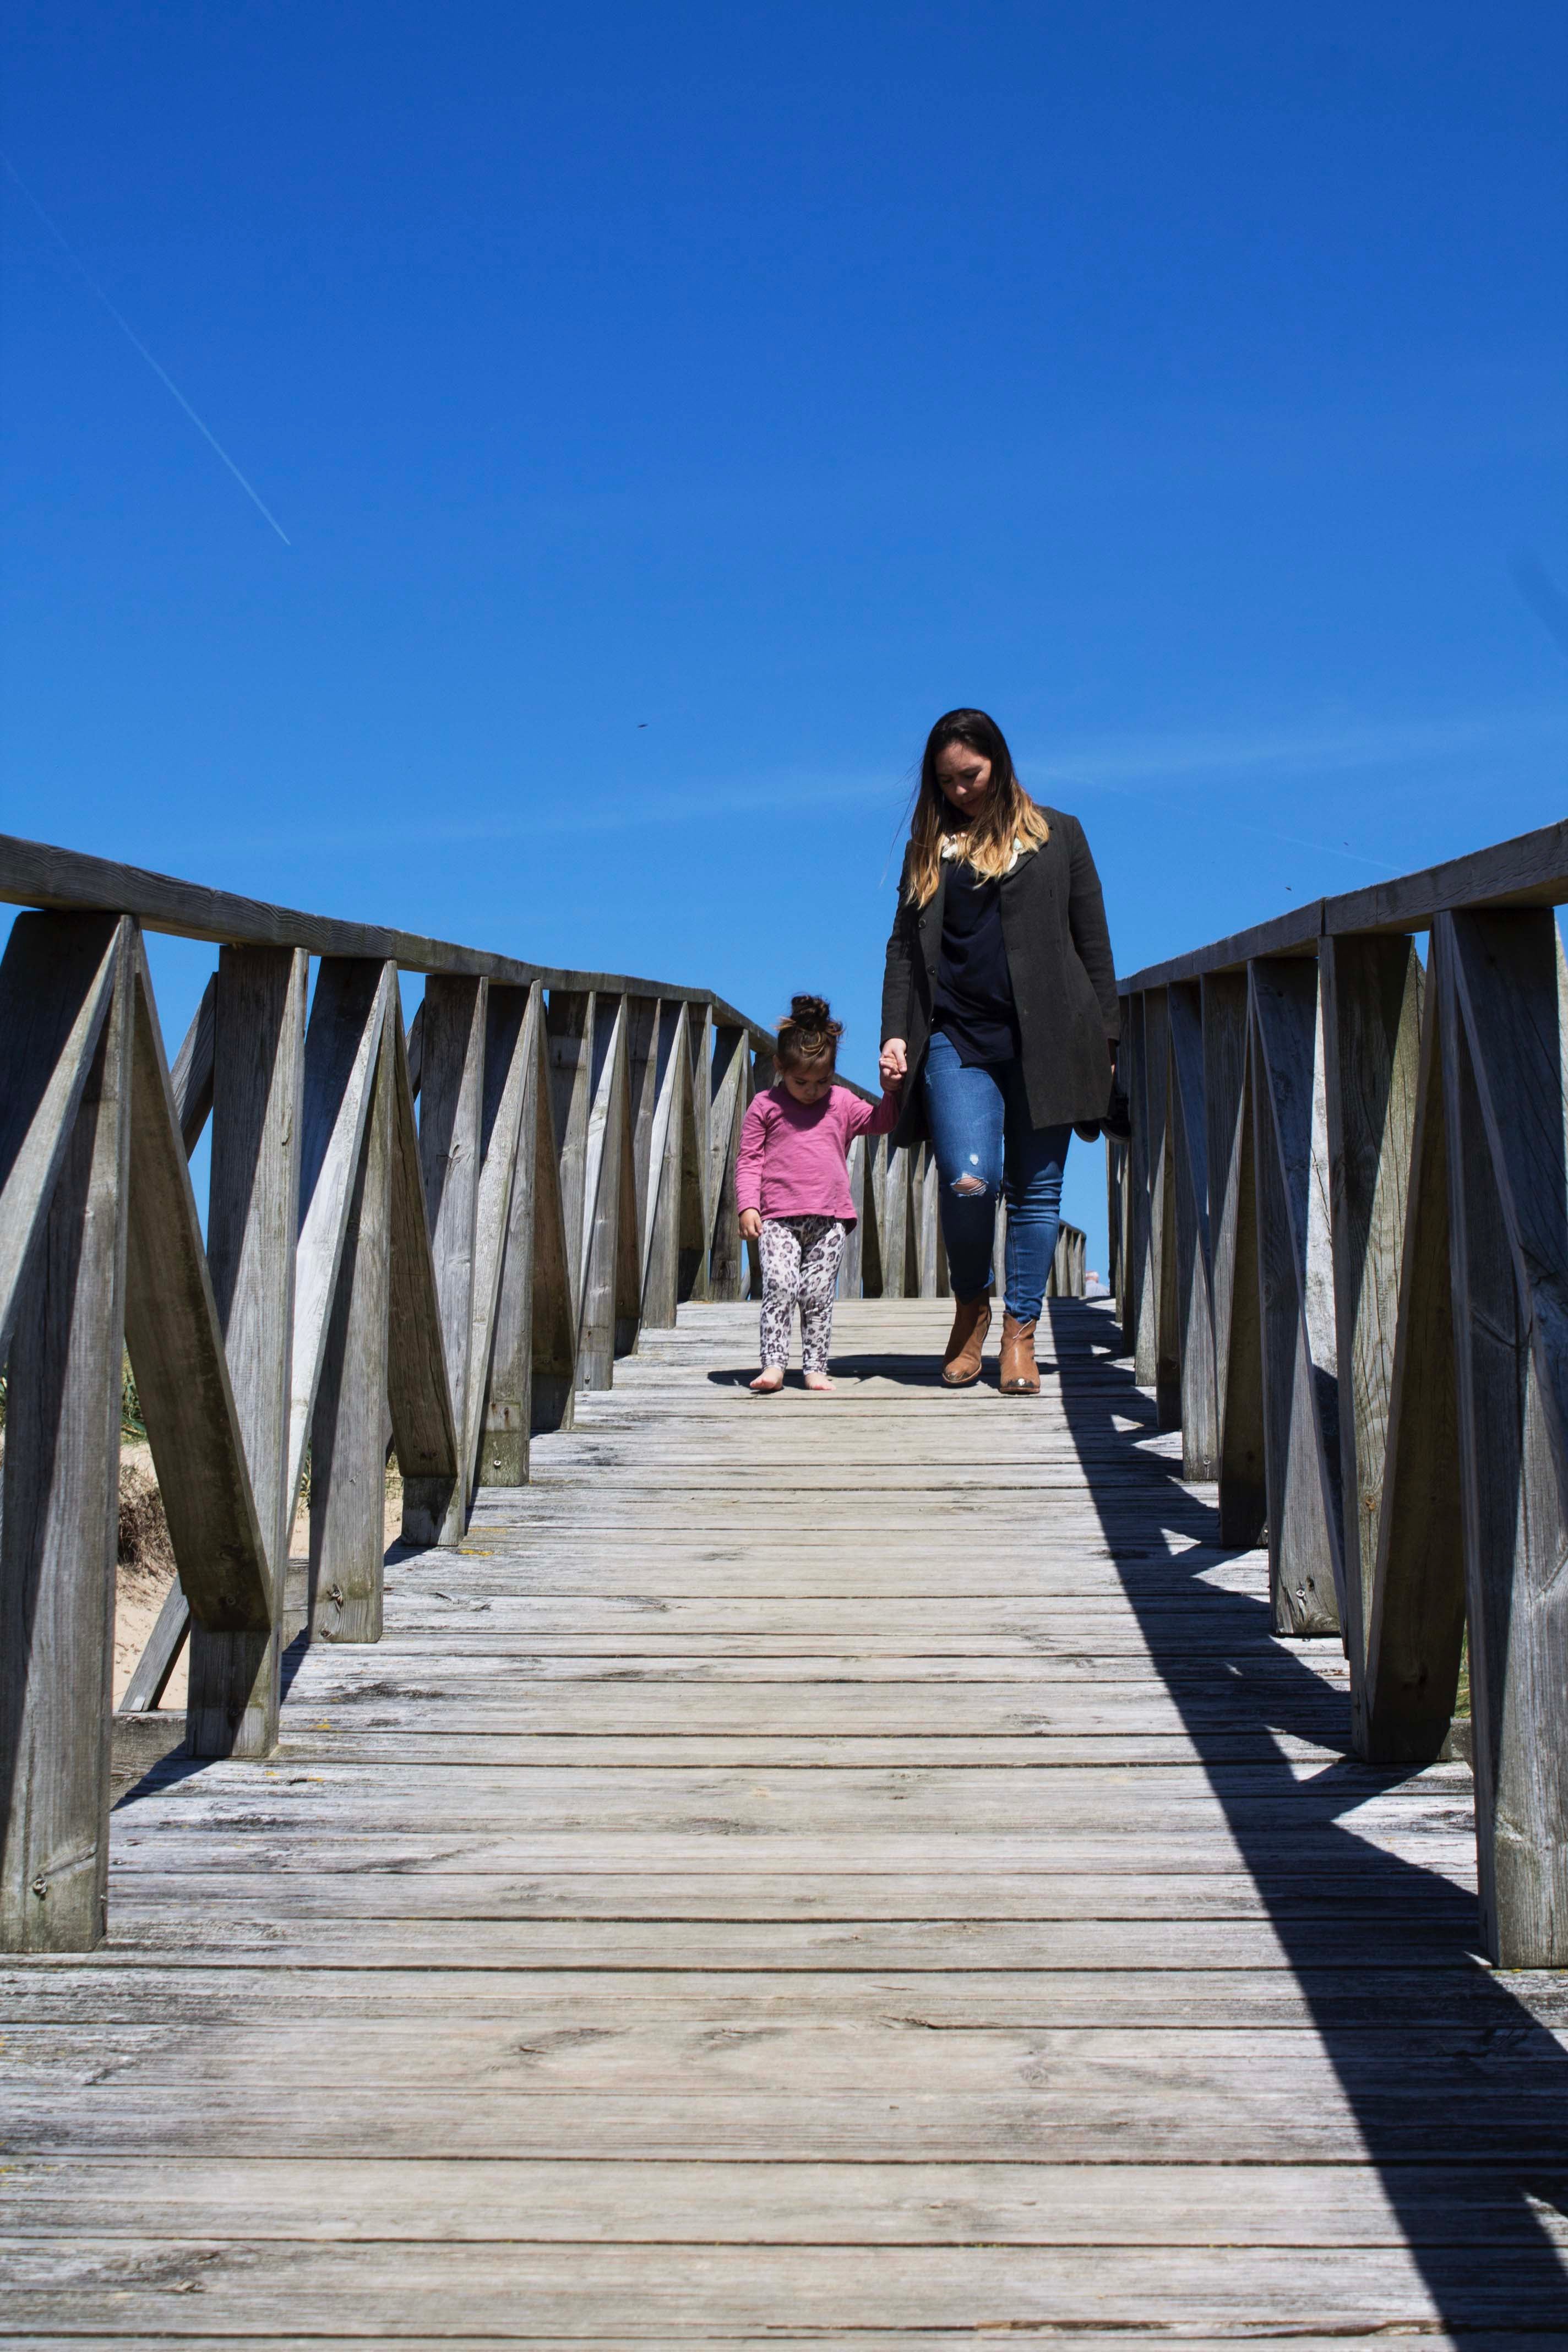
[(971, 1322), (1020, 1374)]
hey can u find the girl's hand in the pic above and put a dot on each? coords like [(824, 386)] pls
[(750, 1224), (894, 1064)]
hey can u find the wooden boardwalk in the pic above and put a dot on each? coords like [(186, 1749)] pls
[(854, 1871)]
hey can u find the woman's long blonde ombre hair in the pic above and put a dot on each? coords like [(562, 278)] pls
[(1006, 823)]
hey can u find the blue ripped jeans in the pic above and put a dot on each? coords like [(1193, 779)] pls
[(980, 1132)]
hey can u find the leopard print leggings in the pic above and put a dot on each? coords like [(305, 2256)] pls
[(799, 1266)]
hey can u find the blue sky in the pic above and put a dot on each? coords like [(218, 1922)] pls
[(670, 410)]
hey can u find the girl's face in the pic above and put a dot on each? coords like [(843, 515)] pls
[(965, 776), (808, 1082)]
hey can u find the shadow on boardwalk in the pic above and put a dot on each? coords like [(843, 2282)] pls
[(1467, 2075)]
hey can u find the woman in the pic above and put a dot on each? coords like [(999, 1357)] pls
[(998, 1007)]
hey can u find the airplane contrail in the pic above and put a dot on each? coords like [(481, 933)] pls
[(132, 338)]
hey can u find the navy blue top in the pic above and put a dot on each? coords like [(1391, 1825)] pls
[(973, 1001)]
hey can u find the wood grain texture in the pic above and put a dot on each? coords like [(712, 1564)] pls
[(965, 1935), (509, 1059), (419, 1395), (1237, 1294), (57, 982), (1531, 870), (507, 1397), (674, 1236), (176, 1348), (451, 1106), (38, 874), (1300, 1350), (1505, 1035), (348, 1448), (611, 1282), (1154, 1056), (1142, 1300), (252, 1220), (60, 1524), (1404, 1697), (192, 1076), (728, 1275), (1193, 1254)]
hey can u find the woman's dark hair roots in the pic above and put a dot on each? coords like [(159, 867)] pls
[(980, 733), (808, 1034)]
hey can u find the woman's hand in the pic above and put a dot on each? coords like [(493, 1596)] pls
[(750, 1224), (894, 1064)]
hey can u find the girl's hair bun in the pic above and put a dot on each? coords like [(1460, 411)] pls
[(808, 1032), (812, 1013)]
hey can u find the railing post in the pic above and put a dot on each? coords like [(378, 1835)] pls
[(1505, 1085), (1301, 1401), (231, 1705), (612, 1255), (1194, 1305), (348, 1448), (731, 1068), (1233, 1211), (451, 1105), (1156, 1060), (675, 1235), (1404, 1587), (65, 1015)]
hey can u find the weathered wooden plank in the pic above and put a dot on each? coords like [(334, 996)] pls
[(700, 1037), (192, 1076), (1399, 1445), (348, 1448), (730, 1073), (1154, 1058), (507, 1395), (1137, 1322), (450, 1112), (1531, 870), (252, 1220), (60, 1524), (1194, 1257), (1021, 2202), (1301, 1416), (1372, 1020), (418, 1392), (1505, 1040), (37, 873), (343, 1054), (573, 1027), (611, 1284), (57, 983), (642, 1092), (510, 1064), (175, 1343), (674, 1237)]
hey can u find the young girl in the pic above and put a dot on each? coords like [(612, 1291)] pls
[(793, 1186)]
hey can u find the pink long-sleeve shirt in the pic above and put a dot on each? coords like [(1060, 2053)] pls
[(792, 1158)]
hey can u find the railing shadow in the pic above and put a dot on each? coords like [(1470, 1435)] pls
[(1449, 2076)]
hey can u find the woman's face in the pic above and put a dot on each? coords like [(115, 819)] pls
[(965, 776)]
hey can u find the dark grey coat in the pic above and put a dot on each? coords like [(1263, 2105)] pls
[(1063, 975)]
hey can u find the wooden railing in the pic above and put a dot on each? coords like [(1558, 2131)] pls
[(441, 1280), (1340, 1250)]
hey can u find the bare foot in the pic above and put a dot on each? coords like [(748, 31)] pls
[(767, 1381), (818, 1382)]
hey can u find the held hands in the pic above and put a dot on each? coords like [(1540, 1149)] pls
[(750, 1224), (894, 1064)]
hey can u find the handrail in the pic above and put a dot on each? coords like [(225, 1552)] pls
[(1339, 1255), (1531, 870), (35, 874), (432, 1252)]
